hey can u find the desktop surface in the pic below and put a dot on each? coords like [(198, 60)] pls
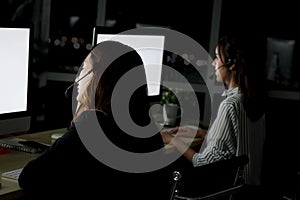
[(10, 188), (17, 159)]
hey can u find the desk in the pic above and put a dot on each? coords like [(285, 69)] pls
[(17, 159)]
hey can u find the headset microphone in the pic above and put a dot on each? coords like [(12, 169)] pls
[(227, 64), (67, 93)]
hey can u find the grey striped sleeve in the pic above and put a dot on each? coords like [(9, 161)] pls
[(221, 141)]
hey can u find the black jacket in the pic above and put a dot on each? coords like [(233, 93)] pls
[(67, 170)]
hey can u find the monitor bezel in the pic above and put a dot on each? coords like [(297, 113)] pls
[(106, 30), (23, 118)]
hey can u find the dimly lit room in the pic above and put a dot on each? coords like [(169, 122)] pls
[(46, 44)]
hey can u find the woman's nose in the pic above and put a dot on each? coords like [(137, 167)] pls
[(214, 63)]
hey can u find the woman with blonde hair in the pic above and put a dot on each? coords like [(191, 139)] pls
[(67, 169)]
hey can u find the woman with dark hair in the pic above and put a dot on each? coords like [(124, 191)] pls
[(68, 169), (239, 127)]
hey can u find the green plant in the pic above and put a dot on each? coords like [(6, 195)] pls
[(168, 96)]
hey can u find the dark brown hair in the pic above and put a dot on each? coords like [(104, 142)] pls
[(249, 79)]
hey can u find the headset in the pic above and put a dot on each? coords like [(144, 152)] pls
[(230, 56), (229, 63), (231, 50), (67, 91)]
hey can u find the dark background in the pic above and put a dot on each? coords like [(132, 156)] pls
[(256, 20)]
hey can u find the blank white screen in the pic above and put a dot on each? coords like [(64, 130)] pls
[(14, 57), (150, 48)]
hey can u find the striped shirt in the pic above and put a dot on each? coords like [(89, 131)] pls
[(233, 133)]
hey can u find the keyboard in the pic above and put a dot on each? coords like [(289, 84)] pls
[(13, 174)]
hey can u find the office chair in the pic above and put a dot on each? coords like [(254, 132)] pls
[(218, 180)]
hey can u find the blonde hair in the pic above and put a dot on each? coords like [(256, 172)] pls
[(98, 92)]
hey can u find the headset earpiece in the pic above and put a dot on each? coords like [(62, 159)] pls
[(229, 63)]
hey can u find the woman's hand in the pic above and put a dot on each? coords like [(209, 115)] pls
[(185, 131), (167, 137)]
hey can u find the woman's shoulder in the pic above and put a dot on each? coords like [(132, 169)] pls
[(233, 102), (233, 99)]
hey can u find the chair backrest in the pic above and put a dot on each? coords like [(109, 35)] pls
[(220, 176)]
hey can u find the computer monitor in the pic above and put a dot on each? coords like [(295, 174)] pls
[(149, 47), (14, 66), (279, 61)]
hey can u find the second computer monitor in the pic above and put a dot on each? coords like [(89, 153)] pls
[(14, 59), (149, 47)]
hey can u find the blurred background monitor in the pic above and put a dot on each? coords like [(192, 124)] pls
[(149, 47), (279, 61), (14, 65)]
